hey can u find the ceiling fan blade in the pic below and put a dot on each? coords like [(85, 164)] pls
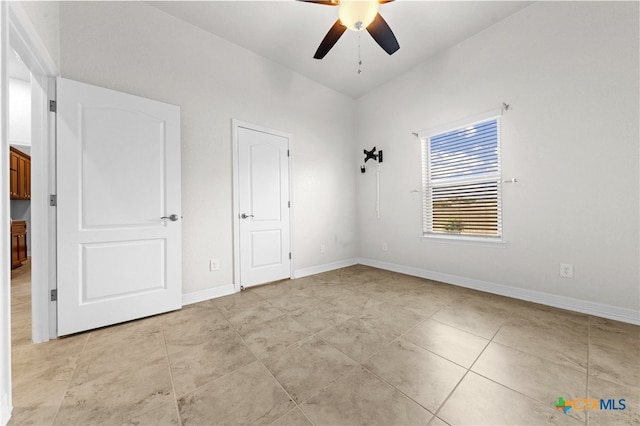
[(336, 2), (382, 34), (330, 39), (325, 2)]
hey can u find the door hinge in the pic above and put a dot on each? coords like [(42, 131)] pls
[(54, 295), (288, 153), (52, 106), (53, 200), (289, 204), (289, 255)]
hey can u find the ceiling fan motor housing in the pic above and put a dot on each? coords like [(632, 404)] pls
[(357, 14)]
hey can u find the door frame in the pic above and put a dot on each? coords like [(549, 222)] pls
[(18, 33), (235, 125), (24, 39), (5, 246)]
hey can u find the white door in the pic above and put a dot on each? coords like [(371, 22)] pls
[(263, 205), (119, 207)]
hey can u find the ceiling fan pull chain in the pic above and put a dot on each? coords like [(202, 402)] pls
[(359, 56)]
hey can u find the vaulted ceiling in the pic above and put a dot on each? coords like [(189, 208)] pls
[(289, 32)]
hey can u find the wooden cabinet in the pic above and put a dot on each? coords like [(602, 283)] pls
[(20, 170), (18, 243), (13, 168)]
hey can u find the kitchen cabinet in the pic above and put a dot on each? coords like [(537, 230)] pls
[(18, 243), (20, 175)]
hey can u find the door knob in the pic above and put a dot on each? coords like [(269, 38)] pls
[(172, 218), (244, 215)]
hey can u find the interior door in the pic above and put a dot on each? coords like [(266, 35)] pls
[(119, 207), (263, 204)]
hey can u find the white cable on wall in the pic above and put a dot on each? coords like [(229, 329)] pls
[(378, 191)]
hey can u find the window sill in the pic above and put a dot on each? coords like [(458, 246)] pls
[(468, 241)]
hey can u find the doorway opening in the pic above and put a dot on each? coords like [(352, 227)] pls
[(19, 37), (20, 195), (34, 135)]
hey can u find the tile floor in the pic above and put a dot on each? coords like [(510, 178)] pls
[(352, 346)]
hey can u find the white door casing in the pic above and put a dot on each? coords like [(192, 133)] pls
[(5, 236), (118, 175), (27, 44), (261, 204)]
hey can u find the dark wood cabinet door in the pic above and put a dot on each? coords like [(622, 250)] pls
[(20, 175), (13, 191)]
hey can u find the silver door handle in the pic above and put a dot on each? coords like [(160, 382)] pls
[(244, 216), (172, 218)]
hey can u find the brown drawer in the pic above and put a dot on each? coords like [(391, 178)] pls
[(19, 227)]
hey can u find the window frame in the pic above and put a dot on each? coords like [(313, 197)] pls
[(425, 136)]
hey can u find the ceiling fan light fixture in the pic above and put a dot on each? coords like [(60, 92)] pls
[(357, 14)]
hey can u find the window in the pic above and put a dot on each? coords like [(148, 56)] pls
[(462, 181)]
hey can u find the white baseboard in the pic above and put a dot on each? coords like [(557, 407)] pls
[(207, 294), (577, 305), (562, 302), (5, 410), (299, 273), (225, 290)]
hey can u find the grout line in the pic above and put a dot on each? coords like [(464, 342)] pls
[(297, 406), (348, 283), (444, 402), (469, 369), (258, 359), (271, 374), (75, 370), (232, 371), (382, 379), (173, 386)]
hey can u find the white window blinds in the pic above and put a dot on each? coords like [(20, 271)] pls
[(462, 181)]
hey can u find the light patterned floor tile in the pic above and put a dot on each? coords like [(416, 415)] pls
[(352, 346), (249, 395), (421, 375), (479, 401), (359, 398), (456, 345)]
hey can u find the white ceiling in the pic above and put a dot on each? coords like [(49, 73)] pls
[(289, 32)]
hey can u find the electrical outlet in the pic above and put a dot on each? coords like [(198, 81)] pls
[(214, 265), (566, 270), (322, 248), (384, 246)]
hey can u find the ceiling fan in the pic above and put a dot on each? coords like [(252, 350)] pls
[(357, 15)]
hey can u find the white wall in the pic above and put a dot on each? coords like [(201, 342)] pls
[(569, 70), (45, 18), (132, 47), (19, 112)]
